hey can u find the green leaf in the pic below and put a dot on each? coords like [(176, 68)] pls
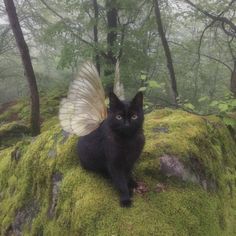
[(233, 103), (142, 89), (223, 107), (214, 103), (229, 121), (143, 77), (189, 106), (202, 99), (153, 84)]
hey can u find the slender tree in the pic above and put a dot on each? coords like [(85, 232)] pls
[(28, 68), (167, 52), (112, 19), (95, 33), (233, 80)]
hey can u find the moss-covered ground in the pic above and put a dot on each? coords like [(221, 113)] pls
[(35, 202)]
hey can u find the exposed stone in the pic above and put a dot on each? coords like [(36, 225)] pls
[(65, 135), (23, 216), (160, 129), (15, 155), (52, 153), (172, 166), (56, 180)]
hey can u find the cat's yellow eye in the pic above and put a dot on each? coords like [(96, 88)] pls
[(134, 117), (118, 117)]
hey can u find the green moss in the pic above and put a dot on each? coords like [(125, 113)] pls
[(13, 111), (87, 204), (189, 136), (14, 119), (20, 110), (12, 132)]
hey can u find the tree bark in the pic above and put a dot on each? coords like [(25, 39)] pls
[(112, 19), (95, 33), (165, 44), (28, 68), (233, 80)]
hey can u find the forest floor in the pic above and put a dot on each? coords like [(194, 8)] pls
[(6, 106)]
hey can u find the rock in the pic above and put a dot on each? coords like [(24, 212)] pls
[(52, 153), (65, 136), (171, 166), (160, 129), (55, 196), (23, 216), (56, 179), (15, 155), (194, 172)]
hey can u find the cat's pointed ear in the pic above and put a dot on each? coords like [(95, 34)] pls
[(114, 101), (138, 100)]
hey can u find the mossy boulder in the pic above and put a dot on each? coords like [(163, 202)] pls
[(45, 191), (12, 132), (20, 110)]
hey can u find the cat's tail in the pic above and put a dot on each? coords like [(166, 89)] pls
[(84, 108)]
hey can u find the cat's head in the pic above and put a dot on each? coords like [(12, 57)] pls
[(125, 118)]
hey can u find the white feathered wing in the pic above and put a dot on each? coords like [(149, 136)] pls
[(84, 108)]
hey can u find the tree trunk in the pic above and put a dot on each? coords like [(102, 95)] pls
[(112, 16), (233, 80), (95, 33), (28, 68), (167, 53)]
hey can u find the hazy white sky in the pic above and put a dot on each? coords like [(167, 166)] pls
[(3, 20)]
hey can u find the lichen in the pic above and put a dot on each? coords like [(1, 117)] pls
[(87, 204)]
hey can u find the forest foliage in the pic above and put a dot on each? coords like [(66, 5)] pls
[(63, 34), (181, 54)]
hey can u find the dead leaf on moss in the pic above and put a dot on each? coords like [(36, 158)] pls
[(160, 187), (141, 189)]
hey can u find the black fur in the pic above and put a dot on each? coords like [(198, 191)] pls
[(114, 147)]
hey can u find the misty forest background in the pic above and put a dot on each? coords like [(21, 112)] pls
[(180, 53)]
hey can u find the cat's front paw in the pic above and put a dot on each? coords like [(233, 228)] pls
[(132, 183), (126, 203)]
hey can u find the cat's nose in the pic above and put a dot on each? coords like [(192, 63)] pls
[(126, 123)]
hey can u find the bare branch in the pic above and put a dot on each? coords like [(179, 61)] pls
[(218, 60), (230, 47), (201, 38), (227, 32), (165, 45), (65, 22), (213, 17), (205, 55)]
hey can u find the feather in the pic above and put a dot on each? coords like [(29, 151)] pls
[(84, 108), (118, 85)]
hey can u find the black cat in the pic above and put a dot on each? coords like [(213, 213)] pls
[(114, 147)]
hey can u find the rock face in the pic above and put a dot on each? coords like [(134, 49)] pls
[(23, 216), (187, 171), (172, 166)]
